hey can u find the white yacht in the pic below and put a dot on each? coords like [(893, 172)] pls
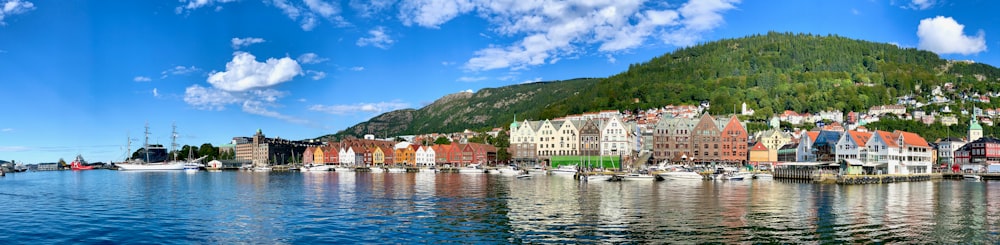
[(639, 177), (377, 169), (343, 169), (681, 175), (598, 177), (565, 170), (396, 170), (316, 168), (472, 169), (508, 170)]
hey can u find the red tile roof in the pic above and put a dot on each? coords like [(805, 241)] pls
[(912, 139), (758, 147), (860, 138)]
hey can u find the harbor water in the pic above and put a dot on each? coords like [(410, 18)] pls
[(304, 208)]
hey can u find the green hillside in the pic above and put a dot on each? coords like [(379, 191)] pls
[(771, 73)]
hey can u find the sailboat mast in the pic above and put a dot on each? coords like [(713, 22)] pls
[(173, 140), (145, 144)]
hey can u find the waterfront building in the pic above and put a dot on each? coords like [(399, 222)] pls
[(404, 154), (705, 140), (978, 154), (758, 153), (590, 137), (898, 152), (773, 140), (568, 137), (946, 150), (378, 156), (615, 138), (425, 156), (824, 148), (787, 152), (331, 153), (263, 151), (307, 155), (804, 152), (523, 143), (671, 139), (318, 155), (346, 156), (545, 136), (851, 146), (734, 141)]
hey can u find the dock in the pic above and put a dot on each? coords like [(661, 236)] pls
[(983, 176)]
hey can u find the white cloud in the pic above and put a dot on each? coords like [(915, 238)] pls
[(471, 79), (261, 109), (311, 58), (179, 70), (195, 4), (245, 42), (358, 68), (156, 93), (378, 107), (309, 15), (611, 59), (943, 35), (209, 98), (14, 148), (921, 4), (244, 73), (369, 8), (378, 39), (468, 91), (142, 79), (14, 7), (5, 130), (550, 30), (537, 79), (447, 63), (432, 13), (316, 75)]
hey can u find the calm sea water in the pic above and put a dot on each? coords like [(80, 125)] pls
[(302, 208)]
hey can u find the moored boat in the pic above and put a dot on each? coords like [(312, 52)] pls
[(681, 175), (472, 169), (565, 170), (763, 176), (316, 168), (972, 177), (396, 170), (639, 177), (78, 164)]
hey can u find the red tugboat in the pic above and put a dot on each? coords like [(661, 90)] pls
[(77, 164)]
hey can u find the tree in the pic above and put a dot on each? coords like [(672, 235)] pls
[(400, 139), (62, 163), (207, 149), (441, 140)]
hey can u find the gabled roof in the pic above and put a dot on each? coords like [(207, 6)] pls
[(758, 147), (827, 138), (912, 139), (812, 135), (860, 138), (888, 138)]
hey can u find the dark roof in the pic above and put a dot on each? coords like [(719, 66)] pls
[(827, 138)]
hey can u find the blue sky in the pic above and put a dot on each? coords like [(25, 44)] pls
[(83, 76)]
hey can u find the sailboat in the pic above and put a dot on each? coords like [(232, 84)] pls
[(155, 157)]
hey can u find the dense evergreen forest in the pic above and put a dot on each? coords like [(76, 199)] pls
[(772, 72)]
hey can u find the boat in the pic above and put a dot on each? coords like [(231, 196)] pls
[(734, 176), (472, 169), (316, 168), (523, 176), (639, 177), (508, 170), (763, 176), (262, 169), (152, 157), (78, 164), (376, 169), (343, 169), (565, 170), (681, 175), (192, 167), (972, 177), (396, 170), (598, 177), (536, 170)]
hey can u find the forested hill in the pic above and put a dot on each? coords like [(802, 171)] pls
[(771, 73)]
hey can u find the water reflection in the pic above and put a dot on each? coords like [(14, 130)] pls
[(280, 208)]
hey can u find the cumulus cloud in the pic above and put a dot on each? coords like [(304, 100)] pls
[(257, 102), (309, 15), (377, 38), (311, 58), (244, 73), (358, 68), (471, 79), (369, 8), (378, 107), (261, 109), (549, 30), (245, 42), (142, 79), (944, 35), (14, 7), (156, 93), (210, 98)]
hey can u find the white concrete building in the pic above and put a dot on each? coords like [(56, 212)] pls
[(615, 138)]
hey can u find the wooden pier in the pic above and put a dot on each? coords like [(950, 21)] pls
[(983, 176)]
